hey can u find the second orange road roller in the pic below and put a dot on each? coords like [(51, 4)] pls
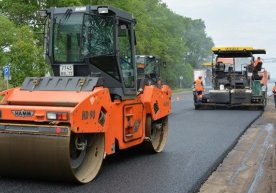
[(62, 127)]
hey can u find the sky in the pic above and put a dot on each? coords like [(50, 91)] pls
[(234, 22)]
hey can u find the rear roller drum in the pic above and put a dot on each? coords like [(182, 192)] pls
[(86, 156), (156, 133)]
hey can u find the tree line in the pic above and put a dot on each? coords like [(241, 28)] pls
[(180, 41)]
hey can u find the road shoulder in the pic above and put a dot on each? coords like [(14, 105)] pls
[(250, 166)]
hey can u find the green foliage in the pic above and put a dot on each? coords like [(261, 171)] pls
[(18, 49), (180, 41), (6, 37), (3, 85), (21, 12)]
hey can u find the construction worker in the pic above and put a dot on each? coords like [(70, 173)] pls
[(257, 63), (274, 92), (198, 85)]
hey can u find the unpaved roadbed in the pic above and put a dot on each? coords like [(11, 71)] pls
[(250, 166)]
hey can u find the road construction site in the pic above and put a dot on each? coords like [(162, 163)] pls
[(198, 142)]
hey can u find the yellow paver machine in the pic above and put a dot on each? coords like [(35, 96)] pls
[(238, 80)]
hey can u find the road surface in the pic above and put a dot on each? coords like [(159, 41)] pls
[(198, 141)]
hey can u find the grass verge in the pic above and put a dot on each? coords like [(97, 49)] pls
[(178, 90)]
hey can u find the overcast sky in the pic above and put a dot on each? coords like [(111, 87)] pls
[(234, 22)]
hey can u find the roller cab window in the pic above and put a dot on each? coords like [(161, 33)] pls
[(66, 40), (125, 54)]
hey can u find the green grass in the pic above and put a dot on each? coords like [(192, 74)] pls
[(178, 90), (2, 84)]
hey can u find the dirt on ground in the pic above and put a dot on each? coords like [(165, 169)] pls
[(251, 166)]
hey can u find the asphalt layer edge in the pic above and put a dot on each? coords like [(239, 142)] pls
[(220, 159)]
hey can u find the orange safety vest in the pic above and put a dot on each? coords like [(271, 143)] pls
[(257, 62), (274, 90), (198, 85)]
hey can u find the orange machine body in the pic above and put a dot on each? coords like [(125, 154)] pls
[(89, 112)]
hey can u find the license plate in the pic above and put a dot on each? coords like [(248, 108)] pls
[(66, 70)]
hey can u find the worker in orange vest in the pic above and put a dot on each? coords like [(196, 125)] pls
[(257, 63), (274, 92), (198, 85)]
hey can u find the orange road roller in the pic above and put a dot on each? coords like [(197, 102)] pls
[(61, 127)]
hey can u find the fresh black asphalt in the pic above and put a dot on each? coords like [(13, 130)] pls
[(198, 140)]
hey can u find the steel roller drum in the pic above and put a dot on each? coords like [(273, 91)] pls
[(27, 154)]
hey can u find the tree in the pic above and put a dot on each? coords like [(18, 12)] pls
[(7, 35), (198, 42), (180, 41), (19, 50)]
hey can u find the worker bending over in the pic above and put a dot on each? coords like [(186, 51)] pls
[(257, 64), (198, 85)]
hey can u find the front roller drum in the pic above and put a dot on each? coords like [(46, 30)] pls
[(156, 134), (86, 156), (75, 158)]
